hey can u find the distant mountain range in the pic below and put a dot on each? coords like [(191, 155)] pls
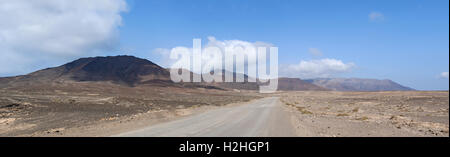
[(284, 84), (133, 71), (358, 84), (296, 84)]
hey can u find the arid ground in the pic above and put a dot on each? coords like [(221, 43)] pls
[(56, 110), (406, 113), (99, 109)]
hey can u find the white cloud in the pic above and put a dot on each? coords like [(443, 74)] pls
[(34, 32), (164, 54), (317, 68), (222, 45), (315, 51), (305, 69), (444, 75), (376, 16)]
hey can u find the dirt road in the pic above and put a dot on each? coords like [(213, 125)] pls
[(263, 117)]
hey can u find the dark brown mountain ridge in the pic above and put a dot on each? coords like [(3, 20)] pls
[(133, 71), (119, 69)]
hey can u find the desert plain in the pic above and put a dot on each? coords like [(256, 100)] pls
[(102, 109)]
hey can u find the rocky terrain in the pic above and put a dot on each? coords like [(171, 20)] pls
[(401, 113), (48, 110)]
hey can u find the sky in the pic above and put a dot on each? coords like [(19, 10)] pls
[(406, 41)]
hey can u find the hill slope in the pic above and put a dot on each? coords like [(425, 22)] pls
[(296, 84), (357, 84), (127, 70), (133, 71)]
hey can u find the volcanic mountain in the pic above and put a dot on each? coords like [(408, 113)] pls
[(357, 84), (284, 84), (245, 85), (127, 70), (296, 84), (133, 71), (122, 70)]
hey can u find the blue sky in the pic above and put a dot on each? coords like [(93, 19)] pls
[(402, 40), (408, 44)]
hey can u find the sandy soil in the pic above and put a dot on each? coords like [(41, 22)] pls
[(331, 114), (115, 126), (90, 109)]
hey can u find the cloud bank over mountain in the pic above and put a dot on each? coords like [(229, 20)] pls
[(320, 68), (305, 69)]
